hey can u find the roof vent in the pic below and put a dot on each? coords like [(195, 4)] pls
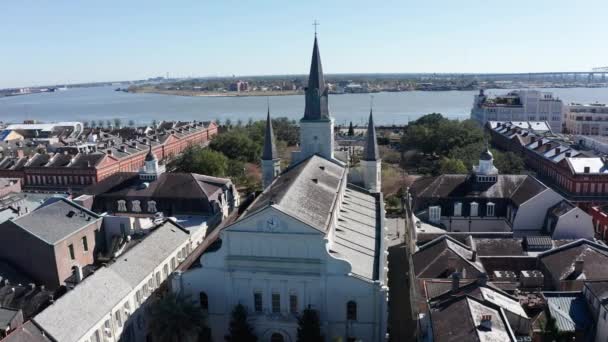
[(71, 213), (568, 154), (315, 180), (322, 167), (486, 322)]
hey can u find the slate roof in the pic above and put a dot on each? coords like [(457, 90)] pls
[(357, 233), (370, 149), (499, 247), (519, 188), (306, 191), (168, 185), (431, 260), (76, 312), (6, 316), (56, 221), (270, 148), (569, 310), (27, 332), (560, 261), (459, 320)]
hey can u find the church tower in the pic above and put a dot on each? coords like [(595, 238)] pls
[(151, 169), (271, 163), (317, 126), (371, 163)]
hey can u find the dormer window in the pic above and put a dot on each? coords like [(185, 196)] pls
[(435, 214), (457, 209), (152, 207), (135, 206), (474, 209), (490, 209), (122, 205)]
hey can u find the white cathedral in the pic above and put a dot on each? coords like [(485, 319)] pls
[(314, 238)]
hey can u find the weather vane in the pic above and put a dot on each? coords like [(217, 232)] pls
[(315, 24)]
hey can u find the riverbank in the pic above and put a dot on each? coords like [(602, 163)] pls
[(176, 92)]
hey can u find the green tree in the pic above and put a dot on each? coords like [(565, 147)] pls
[(240, 330), (131, 123), (236, 145), (351, 129), (309, 326), (177, 319), (154, 123), (508, 163), (197, 159), (117, 122), (108, 123), (452, 166), (551, 332)]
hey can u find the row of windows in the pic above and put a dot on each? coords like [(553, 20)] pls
[(141, 295), (85, 248), (351, 306), (435, 211)]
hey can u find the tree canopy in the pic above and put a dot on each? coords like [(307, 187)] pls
[(240, 330), (197, 159), (177, 319), (309, 326)]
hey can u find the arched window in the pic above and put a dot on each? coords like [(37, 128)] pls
[(276, 337), (204, 301), (351, 311)]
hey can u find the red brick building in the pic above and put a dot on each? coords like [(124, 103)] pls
[(63, 171), (600, 221), (580, 178)]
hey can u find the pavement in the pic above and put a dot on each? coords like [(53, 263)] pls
[(402, 326)]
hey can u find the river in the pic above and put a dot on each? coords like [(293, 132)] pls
[(103, 103)]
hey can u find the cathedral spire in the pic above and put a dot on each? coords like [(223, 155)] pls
[(270, 148), (316, 93), (370, 150)]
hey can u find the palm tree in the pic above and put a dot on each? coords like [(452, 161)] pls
[(177, 319)]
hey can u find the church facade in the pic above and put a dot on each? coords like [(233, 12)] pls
[(312, 239)]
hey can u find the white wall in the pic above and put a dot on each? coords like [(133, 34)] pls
[(531, 214), (575, 224)]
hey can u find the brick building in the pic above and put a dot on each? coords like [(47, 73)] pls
[(53, 242), (579, 177), (64, 171)]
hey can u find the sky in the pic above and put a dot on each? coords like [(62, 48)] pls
[(61, 42)]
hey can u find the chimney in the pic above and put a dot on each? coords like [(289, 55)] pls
[(78, 273), (578, 266), (532, 139), (452, 264), (558, 150), (109, 152), (486, 322), (568, 154), (455, 281)]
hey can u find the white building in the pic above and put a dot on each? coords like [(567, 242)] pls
[(587, 119), (310, 240), (108, 305), (519, 105)]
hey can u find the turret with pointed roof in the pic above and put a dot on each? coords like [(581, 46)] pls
[(271, 163), (370, 150), (316, 93), (370, 163), (270, 148)]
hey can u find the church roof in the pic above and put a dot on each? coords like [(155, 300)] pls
[(306, 191), (370, 150), (316, 93), (270, 148)]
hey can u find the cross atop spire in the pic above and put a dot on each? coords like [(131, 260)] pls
[(315, 23), (370, 150)]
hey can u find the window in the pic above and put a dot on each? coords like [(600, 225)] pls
[(204, 301), (136, 206), (257, 301), (293, 303), (276, 337), (172, 263), (276, 303), (351, 311), (158, 281), (457, 209), (490, 209), (71, 249), (474, 209), (166, 271), (145, 290), (122, 205), (138, 297), (97, 336), (118, 318), (85, 245), (435, 214), (127, 308)]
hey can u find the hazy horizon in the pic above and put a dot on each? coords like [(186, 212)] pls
[(65, 43)]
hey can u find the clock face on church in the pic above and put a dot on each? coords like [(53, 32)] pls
[(272, 223)]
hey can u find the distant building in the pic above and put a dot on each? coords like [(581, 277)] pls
[(519, 105), (579, 177), (53, 242), (485, 201), (587, 119), (239, 86)]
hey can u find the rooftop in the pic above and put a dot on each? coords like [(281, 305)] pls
[(569, 310)]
